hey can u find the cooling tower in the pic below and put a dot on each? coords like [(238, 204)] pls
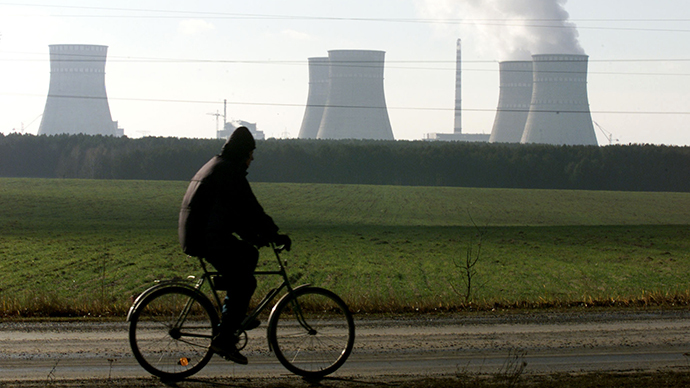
[(77, 102), (316, 100), (457, 123), (356, 105), (515, 95), (559, 111)]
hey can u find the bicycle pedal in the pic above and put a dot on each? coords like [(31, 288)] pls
[(242, 340)]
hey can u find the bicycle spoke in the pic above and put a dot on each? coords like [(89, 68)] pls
[(312, 333), (171, 332)]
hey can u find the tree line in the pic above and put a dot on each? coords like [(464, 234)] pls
[(635, 167)]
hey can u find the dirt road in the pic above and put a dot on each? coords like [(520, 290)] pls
[(439, 345)]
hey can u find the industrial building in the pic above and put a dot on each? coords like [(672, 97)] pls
[(559, 111), (457, 119), (457, 134), (230, 127), (77, 101), (544, 101), (514, 98), (317, 97), (540, 101), (354, 103)]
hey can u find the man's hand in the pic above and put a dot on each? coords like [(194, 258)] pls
[(284, 240)]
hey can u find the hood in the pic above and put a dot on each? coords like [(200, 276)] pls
[(239, 145)]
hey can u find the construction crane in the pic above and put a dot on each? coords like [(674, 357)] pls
[(218, 116), (608, 135), (24, 127)]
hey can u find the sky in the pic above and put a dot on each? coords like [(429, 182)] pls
[(172, 63)]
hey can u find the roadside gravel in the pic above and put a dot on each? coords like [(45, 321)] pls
[(470, 349)]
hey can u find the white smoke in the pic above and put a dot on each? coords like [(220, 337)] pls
[(514, 29)]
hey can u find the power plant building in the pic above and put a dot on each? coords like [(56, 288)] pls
[(515, 96), (559, 111), (457, 120), (317, 97), (77, 101), (230, 127), (457, 134), (355, 106)]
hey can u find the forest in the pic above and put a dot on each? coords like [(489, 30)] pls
[(633, 167)]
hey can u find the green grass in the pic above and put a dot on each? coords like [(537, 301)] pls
[(79, 247)]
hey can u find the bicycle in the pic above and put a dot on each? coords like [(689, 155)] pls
[(310, 329)]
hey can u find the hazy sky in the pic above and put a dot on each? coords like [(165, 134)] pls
[(171, 63)]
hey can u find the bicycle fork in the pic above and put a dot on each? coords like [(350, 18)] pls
[(297, 309)]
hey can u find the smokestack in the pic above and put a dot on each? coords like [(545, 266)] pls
[(457, 127), (559, 111), (514, 99), (77, 101), (356, 104), (316, 99)]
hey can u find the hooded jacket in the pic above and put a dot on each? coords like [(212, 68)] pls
[(219, 202)]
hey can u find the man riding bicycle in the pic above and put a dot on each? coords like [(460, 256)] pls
[(218, 207)]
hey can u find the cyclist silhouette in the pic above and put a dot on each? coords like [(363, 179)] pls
[(218, 207)]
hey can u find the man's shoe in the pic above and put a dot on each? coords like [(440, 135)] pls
[(232, 354), (226, 347)]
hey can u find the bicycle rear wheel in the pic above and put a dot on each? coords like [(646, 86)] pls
[(312, 332), (170, 332)]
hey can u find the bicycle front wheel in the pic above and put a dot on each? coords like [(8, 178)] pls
[(311, 332), (170, 332)]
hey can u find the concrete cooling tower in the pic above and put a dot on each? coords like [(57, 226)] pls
[(356, 105), (77, 101), (514, 99), (559, 111), (316, 100)]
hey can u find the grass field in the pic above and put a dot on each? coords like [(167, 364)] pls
[(80, 247)]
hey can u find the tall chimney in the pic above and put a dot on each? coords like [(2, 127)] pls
[(457, 127), (316, 99), (515, 95), (356, 104), (559, 111), (77, 101)]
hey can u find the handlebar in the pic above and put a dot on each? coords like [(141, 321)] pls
[(277, 248)]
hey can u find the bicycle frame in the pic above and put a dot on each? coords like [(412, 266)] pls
[(208, 276), (270, 296), (174, 325)]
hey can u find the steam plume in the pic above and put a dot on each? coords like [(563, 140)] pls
[(516, 29)]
